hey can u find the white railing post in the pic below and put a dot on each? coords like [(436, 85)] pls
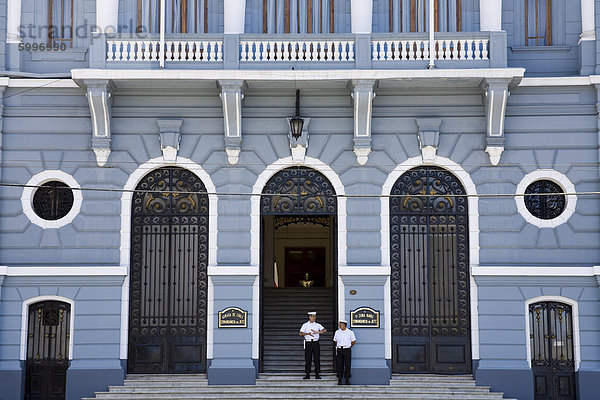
[(431, 34), (163, 21), (361, 16)]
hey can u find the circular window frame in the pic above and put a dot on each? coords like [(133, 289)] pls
[(556, 177), (38, 180)]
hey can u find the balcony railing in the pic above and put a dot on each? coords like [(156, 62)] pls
[(377, 51)]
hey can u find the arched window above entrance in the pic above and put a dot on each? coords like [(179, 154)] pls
[(298, 190)]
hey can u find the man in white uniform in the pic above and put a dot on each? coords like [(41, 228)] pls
[(344, 339), (311, 331)]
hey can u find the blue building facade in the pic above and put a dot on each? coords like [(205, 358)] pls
[(153, 175)]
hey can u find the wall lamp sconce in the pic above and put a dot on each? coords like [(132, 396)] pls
[(297, 122)]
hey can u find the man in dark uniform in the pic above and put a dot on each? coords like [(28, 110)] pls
[(311, 331)]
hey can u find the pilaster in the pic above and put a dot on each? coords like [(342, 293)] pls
[(363, 95), (495, 97), (490, 15), (99, 99), (231, 97), (107, 16)]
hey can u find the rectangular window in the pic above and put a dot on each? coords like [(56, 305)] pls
[(538, 22), (60, 21), (413, 15), (183, 16), (298, 16)]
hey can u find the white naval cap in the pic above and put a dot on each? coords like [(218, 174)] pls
[(343, 321), (312, 313)]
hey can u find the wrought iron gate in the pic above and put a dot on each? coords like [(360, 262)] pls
[(552, 358), (47, 350), (430, 273), (168, 280)]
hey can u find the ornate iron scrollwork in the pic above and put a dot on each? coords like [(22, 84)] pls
[(53, 200), (298, 190), (543, 205), (429, 263), (169, 281)]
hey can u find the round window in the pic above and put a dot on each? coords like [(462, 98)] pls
[(53, 200), (545, 199)]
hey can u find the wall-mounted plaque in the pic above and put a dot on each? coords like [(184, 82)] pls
[(233, 317), (364, 317)]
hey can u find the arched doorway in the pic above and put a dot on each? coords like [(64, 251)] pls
[(298, 268), (48, 327), (168, 273), (552, 350), (429, 243)]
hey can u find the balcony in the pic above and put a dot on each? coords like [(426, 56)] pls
[(375, 51)]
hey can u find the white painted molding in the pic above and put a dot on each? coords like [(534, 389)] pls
[(107, 16), (556, 177), (490, 15), (576, 333), (38, 180), (3, 270), (13, 22), (255, 236), (295, 75), (473, 207), (535, 271), (588, 29), (235, 16), (361, 13), (25, 314), (126, 199), (39, 83), (560, 81), (366, 271), (215, 270), (65, 271), (210, 327), (255, 317)]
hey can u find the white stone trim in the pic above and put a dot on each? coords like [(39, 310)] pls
[(295, 75), (126, 199), (41, 178), (214, 270), (25, 314), (65, 271), (473, 206), (257, 189), (535, 271), (556, 177), (13, 21), (557, 81), (576, 333), (210, 327), (366, 270)]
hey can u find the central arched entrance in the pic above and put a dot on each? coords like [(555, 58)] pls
[(298, 209), (429, 243), (168, 273)]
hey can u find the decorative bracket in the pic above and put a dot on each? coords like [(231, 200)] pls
[(170, 138), (429, 137), (363, 95), (495, 96), (232, 96), (299, 146), (98, 94)]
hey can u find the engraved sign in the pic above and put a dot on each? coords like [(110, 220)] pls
[(364, 317), (233, 317)]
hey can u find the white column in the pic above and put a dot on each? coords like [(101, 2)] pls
[(163, 23), (431, 35), (107, 16), (490, 15), (13, 21), (588, 31), (235, 16), (362, 16)]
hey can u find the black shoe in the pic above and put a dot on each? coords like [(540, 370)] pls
[(306, 376), (339, 381), (317, 376), (347, 382)]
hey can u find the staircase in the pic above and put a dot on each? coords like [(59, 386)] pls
[(284, 312), (291, 386)]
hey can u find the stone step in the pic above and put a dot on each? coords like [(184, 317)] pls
[(166, 377), (344, 393)]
